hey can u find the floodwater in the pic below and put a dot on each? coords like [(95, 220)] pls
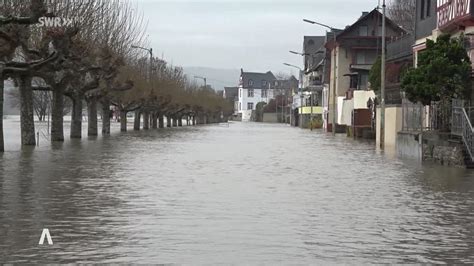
[(240, 193)]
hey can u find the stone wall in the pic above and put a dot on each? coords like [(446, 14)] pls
[(409, 145), (445, 154)]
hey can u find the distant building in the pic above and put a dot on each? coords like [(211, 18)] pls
[(257, 87)]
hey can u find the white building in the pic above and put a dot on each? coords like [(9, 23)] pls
[(254, 88)]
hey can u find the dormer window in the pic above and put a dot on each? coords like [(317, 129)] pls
[(250, 83)]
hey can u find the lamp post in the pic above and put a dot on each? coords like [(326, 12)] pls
[(382, 82), (150, 51), (203, 78), (333, 30), (150, 74), (300, 89)]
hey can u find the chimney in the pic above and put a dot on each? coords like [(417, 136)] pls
[(241, 71), (364, 13)]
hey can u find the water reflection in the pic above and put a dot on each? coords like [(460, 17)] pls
[(248, 193)]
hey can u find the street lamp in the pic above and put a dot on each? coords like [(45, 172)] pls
[(150, 50), (333, 30), (203, 78), (300, 89), (150, 74), (303, 54)]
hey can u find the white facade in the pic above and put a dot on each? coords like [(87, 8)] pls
[(249, 98)]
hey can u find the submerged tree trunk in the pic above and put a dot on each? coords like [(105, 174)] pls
[(2, 142), (136, 120), (57, 115), (27, 114), (76, 117), (146, 120), (106, 117), (154, 120), (123, 120), (92, 117), (161, 121)]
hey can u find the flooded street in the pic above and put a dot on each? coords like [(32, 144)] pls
[(243, 193)]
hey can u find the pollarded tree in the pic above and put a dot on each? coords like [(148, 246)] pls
[(443, 72)]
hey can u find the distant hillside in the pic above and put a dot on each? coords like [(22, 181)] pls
[(217, 78)]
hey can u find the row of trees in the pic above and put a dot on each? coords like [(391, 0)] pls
[(88, 56)]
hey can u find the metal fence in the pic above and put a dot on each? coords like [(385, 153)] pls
[(417, 118), (413, 116)]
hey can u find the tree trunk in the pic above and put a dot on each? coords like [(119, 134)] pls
[(105, 117), (154, 120), (168, 121), (146, 120), (161, 121), (76, 117), (27, 115), (175, 122), (180, 121), (92, 117), (193, 121), (136, 120), (57, 115), (123, 120), (2, 142)]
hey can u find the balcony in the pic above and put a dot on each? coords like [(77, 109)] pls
[(400, 48), (454, 13)]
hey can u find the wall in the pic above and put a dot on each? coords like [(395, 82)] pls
[(423, 28), (361, 98), (393, 124), (307, 110), (270, 118), (346, 114), (409, 145)]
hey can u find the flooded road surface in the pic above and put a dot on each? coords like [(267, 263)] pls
[(247, 193)]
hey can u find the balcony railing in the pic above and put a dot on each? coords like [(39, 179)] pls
[(401, 47)]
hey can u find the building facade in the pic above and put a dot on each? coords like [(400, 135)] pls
[(257, 87), (353, 54)]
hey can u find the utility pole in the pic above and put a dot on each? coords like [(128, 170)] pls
[(334, 112), (382, 82)]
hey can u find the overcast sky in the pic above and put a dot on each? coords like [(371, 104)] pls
[(253, 34)]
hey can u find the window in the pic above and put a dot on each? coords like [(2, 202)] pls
[(250, 93), (422, 10), (360, 58), (240, 106), (264, 83), (364, 80), (264, 93), (240, 93), (311, 42), (428, 8), (250, 83), (363, 31), (249, 106)]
